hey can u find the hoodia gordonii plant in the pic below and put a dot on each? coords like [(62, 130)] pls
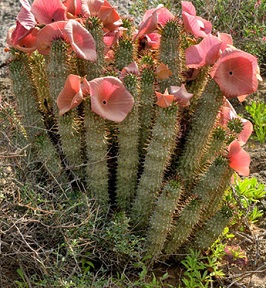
[(138, 118)]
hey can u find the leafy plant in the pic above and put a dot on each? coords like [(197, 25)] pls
[(257, 111), (200, 270), (245, 195)]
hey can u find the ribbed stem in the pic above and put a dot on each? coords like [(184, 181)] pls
[(147, 107), (169, 53), (58, 68), (26, 96), (159, 152), (184, 226), (128, 156), (198, 136), (94, 69), (211, 230), (161, 220), (96, 150)]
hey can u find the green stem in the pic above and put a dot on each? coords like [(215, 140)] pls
[(158, 156)]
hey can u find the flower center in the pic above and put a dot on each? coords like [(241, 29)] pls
[(104, 102), (230, 73)]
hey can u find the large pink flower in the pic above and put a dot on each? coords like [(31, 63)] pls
[(193, 24), (236, 73), (109, 16), (110, 99), (204, 53), (239, 159), (81, 40), (75, 90), (48, 34), (48, 11), (26, 43), (72, 32), (159, 15)]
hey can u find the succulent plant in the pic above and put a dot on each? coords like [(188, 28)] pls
[(138, 118)]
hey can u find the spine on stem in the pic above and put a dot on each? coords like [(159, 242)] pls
[(162, 218), (147, 100), (96, 148), (169, 53), (128, 155), (158, 156), (199, 134)]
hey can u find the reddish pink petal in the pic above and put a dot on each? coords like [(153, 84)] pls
[(181, 95), (204, 53), (164, 15), (239, 159), (71, 95), (226, 39), (25, 43), (48, 34), (85, 87), (74, 7), (110, 99), (81, 40), (48, 11), (235, 73), (18, 33), (188, 7), (246, 132), (153, 40), (25, 17), (164, 100), (95, 6), (109, 16), (196, 25), (149, 22)]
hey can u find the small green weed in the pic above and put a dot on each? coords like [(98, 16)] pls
[(201, 270), (244, 196), (257, 111)]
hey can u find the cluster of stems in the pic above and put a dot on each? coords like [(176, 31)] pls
[(165, 168)]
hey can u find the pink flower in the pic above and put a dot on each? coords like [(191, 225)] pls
[(110, 99), (236, 73), (181, 96), (109, 16), (153, 40), (94, 6), (48, 34), (193, 24), (226, 39), (74, 7), (164, 100), (239, 159), (203, 54), (228, 113), (81, 40), (75, 90), (26, 43), (72, 32), (25, 16), (48, 11), (159, 15)]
